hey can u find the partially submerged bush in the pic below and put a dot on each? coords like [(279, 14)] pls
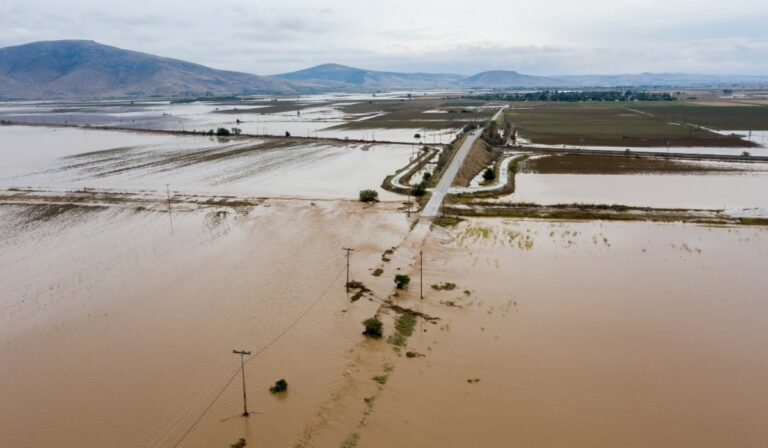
[(402, 280), (239, 444), (420, 189), (369, 196), (489, 174), (280, 386), (374, 328)]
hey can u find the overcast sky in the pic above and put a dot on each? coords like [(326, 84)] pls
[(542, 37)]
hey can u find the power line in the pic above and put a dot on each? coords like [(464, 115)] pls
[(253, 356)]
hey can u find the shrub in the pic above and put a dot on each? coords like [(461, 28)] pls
[(239, 444), (369, 196), (426, 177), (280, 386), (489, 174), (419, 190), (223, 132), (402, 280), (373, 328)]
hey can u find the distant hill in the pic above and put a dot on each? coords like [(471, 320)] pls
[(509, 79), (78, 68), (86, 69), (336, 76)]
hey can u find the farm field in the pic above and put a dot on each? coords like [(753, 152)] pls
[(621, 125)]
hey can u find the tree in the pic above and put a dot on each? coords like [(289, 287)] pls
[(489, 174), (373, 328), (223, 132), (287, 134), (369, 196), (402, 281), (236, 131), (420, 189), (280, 386)]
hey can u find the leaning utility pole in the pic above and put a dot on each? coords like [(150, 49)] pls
[(243, 353), (348, 252)]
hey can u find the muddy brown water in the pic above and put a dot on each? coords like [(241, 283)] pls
[(116, 332)]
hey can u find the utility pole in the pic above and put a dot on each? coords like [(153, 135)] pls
[(348, 252), (421, 275), (242, 354), (408, 212), (168, 195)]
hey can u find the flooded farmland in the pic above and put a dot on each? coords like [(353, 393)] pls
[(127, 337), (121, 306), (67, 159)]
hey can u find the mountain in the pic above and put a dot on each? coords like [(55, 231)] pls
[(86, 69), (79, 68), (336, 76), (504, 78)]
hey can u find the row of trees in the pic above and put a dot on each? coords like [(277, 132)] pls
[(579, 96)]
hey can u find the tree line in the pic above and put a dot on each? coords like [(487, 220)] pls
[(578, 96)]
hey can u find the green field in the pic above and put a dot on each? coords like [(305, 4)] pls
[(609, 124), (727, 117)]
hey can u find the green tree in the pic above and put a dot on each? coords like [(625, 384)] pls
[(373, 327), (402, 281), (369, 196)]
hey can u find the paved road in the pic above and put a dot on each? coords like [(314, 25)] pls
[(439, 192)]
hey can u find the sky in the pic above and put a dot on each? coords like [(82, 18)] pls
[(542, 37)]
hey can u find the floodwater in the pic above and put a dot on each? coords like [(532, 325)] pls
[(747, 190), (69, 158), (118, 332), (318, 117), (585, 334)]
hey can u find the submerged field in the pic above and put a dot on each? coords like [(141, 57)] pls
[(122, 301), (73, 159), (125, 338)]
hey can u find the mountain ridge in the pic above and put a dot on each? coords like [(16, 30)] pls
[(67, 69)]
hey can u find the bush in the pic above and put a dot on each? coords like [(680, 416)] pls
[(239, 444), (280, 386), (402, 280), (419, 190), (426, 176), (489, 174), (369, 196), (373, 328), (223, 132)]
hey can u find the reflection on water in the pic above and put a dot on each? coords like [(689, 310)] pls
[(711, 191), (68, 158)]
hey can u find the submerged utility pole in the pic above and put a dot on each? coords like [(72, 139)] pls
[(421, 274), (348, 252), (243, 353), (168, 195)]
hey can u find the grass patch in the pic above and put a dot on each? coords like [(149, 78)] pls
[(405, 323), (447, 286), (351, 441), (447, 221)]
